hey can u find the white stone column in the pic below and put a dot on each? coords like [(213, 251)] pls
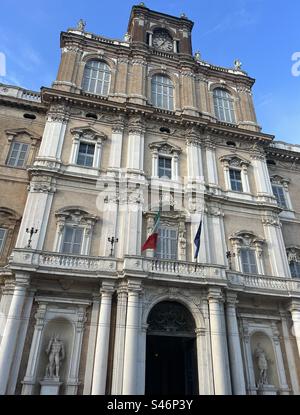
[(284, 389), (5, 302), (194, 159), (295, 312), (211, 164), (219, 353), (261, 174), (37, 211), (118, 364), (33, 360), (10, 335), (249, 369), (134, 222), (245, 178), (116, 146), (53, 137), (135, 152), (290, 353), (141, 378), (131, 340), (98, 154), (101, 353), (203, 362), (175, 167), (234, 345), (22, 335), (276, 247), (88, 377), (216, 235)]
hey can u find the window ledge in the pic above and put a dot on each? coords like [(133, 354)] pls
[(84, 170)]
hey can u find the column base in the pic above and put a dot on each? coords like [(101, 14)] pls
[(50, 386), (266, 390)]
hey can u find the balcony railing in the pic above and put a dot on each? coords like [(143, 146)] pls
[(168, 270)]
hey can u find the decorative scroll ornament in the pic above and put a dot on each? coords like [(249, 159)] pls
[(169, 317)]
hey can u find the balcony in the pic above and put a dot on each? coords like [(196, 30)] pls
[(151, 269)]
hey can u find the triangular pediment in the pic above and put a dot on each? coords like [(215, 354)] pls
[(165, 147)]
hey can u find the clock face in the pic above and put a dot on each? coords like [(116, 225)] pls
[(162, 41)]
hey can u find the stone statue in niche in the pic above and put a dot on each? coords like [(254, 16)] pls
[(56, 354), (262, 364)]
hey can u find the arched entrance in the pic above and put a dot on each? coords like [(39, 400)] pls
[(171, 354)]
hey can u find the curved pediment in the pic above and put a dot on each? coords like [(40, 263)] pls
[(22, 131)]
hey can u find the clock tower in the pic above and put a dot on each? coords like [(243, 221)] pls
[(159, 31)]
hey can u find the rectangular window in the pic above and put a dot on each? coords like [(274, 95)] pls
[(18, 154), (295, 269), (236, 180), (72, 240), (248, 259), (167, 243), (165, 167), (86, 155), (2, 239), (279, 194)]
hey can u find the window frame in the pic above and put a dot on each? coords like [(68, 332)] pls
[(277, 196), (3, 241), (17, 158), (224, 106), (249, 264), (297, 269), (165, 241), (88, 78), (86, 155), (166, 169), (63, 241), (234, 180), (158, 89)]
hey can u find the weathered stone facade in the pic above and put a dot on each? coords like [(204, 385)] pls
[(91, 169)]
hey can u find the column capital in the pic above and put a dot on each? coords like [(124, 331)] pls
[(22, 279), (134, 287), (231, 299), (294, 306), (107, 288), (215, 295)]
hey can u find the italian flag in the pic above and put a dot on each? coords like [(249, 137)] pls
[(151, 242)]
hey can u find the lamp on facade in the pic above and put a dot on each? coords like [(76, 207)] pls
[(31, 232), (112, 241)]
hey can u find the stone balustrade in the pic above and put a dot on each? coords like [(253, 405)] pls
[(56, 263)]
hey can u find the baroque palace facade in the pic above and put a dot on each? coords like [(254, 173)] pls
[(130, 127)]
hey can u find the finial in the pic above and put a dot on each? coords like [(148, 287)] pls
[(237, 65), (142, 4), (197, 56), (81, 25), (183, 16)]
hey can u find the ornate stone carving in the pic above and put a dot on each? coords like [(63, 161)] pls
[(169, 317), (42, 184), (59, 113), (136, 125)]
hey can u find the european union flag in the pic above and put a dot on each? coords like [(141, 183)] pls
[(197, 240)]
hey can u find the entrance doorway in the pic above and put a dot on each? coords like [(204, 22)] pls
[(171, 355)]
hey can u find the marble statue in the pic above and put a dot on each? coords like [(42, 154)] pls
[(262, 364), (81, 25), (127, 37), (56, 353)]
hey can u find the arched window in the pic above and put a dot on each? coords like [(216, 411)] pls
[(163, 92), (96, 78), (224, 107)]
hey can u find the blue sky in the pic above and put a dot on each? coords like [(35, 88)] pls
[(263, 34)]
